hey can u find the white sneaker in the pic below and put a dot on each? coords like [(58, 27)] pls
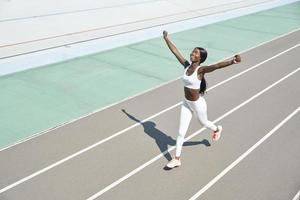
[(216, 136), (173, 163)]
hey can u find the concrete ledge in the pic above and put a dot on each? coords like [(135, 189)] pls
[(49, 42)]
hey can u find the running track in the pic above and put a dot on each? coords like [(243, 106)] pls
[(114, 155)]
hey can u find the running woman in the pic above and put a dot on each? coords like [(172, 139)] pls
[(194, 89)]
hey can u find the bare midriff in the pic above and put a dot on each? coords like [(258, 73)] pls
[(191, 94)]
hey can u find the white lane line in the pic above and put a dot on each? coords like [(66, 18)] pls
[(114, 184), (244, 155), (127, 129), (297, 196), (128, 98)]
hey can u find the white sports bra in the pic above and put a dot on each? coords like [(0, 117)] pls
[(191, 81)]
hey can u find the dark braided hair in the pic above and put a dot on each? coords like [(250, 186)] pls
[(203, 56)]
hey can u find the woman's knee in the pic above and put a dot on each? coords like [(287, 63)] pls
[(208, 124), (204, 122)]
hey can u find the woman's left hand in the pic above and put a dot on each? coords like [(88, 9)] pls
[(237, 58)]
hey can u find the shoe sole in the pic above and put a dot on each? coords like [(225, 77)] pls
[(169, 168)]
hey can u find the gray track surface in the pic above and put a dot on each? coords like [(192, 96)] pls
[(270, 172)]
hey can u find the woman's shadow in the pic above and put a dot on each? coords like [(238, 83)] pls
[(162, 140)]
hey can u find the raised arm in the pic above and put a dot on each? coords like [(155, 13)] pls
[(206, 69), (174, 50)]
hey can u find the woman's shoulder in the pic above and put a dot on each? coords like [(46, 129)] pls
[(201, 69)]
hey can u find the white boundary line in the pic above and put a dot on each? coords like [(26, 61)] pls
[(129, 98), (124, 130), (297, 196), (114, 184), (244, 155)]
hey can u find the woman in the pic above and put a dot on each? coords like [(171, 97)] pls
[(194, 89)]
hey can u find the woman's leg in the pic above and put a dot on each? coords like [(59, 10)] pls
[(184, 122), (185, 119), (200, 108), (201, 112)]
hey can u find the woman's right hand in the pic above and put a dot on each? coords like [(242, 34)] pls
[(165, 34)]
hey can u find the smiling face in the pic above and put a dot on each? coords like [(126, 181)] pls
[(195, 56)]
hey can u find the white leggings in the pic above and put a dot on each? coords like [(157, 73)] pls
[(199, 108)]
